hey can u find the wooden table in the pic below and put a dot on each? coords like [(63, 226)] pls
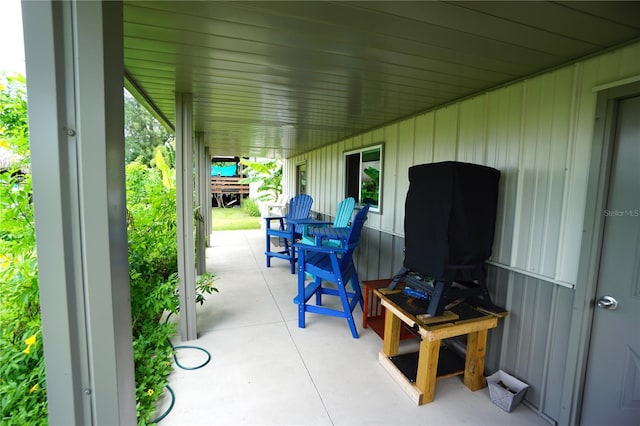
[(432, 330)]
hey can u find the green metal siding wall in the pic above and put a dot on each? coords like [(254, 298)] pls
[(538, 132)]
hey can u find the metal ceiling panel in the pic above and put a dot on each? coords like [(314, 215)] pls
[(281, 78)]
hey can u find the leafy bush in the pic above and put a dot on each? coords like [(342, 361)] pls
[(268, 173), (153, 265), (153, 273), (250, 207), (23, 397)]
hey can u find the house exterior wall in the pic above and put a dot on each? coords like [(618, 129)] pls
[(539, 133)]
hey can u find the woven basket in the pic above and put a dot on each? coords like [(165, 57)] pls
[(505, 390)]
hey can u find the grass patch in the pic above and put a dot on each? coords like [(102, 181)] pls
[(233, 218)]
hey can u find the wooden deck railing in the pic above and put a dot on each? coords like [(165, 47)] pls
[(228, 186)]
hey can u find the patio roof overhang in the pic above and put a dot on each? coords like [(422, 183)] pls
[(277, 79)]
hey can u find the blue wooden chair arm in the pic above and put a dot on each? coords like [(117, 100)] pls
[(320, 249), (280, 220), (268, 219)]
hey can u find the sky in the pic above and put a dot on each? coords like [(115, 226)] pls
[(12, 47)]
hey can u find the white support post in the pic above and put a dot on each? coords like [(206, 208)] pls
[(208, 199), (75, 70), (201, 176), (184, 194)]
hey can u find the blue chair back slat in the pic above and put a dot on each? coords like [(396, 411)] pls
[(345, 210), (300, 206), (342, 219), (356, 227)]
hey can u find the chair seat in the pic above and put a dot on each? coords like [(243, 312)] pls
[(319, 264)]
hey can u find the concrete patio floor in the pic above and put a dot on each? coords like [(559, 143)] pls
[(265, 370)]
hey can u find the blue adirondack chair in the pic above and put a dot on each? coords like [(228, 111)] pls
[(342, 219), (299, 208), (335, 265)]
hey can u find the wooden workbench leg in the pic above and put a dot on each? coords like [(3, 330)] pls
[(427, 369), (391, 340), (474, 364)]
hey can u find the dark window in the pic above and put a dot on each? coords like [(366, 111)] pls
[(363, 176)]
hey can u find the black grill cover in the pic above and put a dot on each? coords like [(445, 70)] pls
[(449, 221)]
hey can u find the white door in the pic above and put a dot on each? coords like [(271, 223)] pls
[(612, 387)]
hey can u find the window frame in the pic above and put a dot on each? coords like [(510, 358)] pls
[(299, 166), (354, 158)]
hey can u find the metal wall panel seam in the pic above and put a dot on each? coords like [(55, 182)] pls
[(563, 244)]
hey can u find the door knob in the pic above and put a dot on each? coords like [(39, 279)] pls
[(607, 302)]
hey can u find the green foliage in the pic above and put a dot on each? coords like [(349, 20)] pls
[(151, 208), (23, 398), (204, 285), (269, 174), (144, 134), (13, 108), (371, 187), (153, 265), (152, 354), (250, 207), (153, 272), (153, 278)]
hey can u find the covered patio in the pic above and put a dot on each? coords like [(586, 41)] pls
[(505, 84), (266, 370)]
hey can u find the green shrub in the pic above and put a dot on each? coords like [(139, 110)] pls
[(268, 173), (153, 264), (153, 272), (151, 214), (23, 398), (250, 207)]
